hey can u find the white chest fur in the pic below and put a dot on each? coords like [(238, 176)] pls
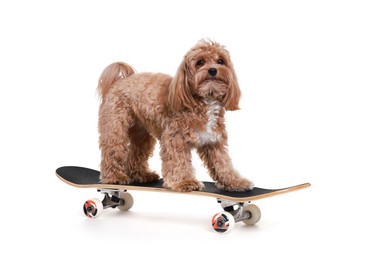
[(210, 135)]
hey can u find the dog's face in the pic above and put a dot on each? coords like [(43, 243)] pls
[(206, 73)]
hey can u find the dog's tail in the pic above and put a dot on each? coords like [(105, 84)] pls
[(111, 74)]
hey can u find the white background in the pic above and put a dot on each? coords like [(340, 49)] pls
[(302, 69)]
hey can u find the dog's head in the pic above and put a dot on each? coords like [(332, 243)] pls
[(206, 73)]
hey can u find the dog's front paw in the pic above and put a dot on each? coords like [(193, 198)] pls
[(185, 185), (240, 184)]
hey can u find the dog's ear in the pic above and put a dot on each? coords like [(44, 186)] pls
[(179, 94), (232, 98)]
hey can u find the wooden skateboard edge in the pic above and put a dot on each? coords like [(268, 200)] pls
[(252, 198), (200, 193)]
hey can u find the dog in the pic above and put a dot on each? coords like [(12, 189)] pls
[(183, 112)]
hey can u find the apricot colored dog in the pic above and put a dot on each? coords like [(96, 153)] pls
[(184, 112)]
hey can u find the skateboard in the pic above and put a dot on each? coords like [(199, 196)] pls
[(236, 206)]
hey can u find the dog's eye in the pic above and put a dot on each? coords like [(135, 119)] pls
[(200, 63), (220, 61)]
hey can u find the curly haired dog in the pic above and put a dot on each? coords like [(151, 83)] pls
[(183, 112)]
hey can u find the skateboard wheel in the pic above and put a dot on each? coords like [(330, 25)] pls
[(255, 214), (127, 201), (93, 208), (223, 222)]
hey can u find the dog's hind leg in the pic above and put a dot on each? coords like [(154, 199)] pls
[(140, 150), (114, 124)]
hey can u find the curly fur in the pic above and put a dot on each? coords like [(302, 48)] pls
[(183, 112)]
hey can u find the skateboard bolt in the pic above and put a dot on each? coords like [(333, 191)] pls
[(220, 223)]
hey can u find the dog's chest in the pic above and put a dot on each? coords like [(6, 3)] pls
[(210, 135)]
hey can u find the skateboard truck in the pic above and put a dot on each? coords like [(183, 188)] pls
[(116, 198), (236, 209), (111, 199)]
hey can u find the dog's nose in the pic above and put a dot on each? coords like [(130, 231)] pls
[(212, 72)]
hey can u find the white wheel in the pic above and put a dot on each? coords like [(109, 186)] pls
[(93, 208), (127, 201), (223, 222), (255, 214)]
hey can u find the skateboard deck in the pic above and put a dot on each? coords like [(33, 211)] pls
[(237, 206), (87, 178)]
